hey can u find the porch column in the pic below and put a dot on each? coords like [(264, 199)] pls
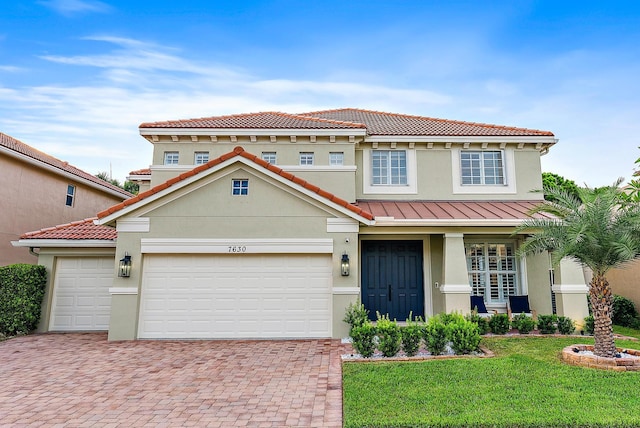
[(455, 286), (571, 291)]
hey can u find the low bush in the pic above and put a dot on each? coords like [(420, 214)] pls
[(363, 339), (389, 336), (523, 323), (355, 315), (464, 336), (411, 337), (624, 312), (481, 322), (499, 324), (451, 317), (435, 335), (21, 292), (566, 325), (589, 326), (547, 324)]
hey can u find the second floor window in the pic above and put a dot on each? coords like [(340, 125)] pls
[(336, 158), (201, 158), (71, 194), (306, 158), (389, 167), (269, 157), (486, 167), (171, 158)]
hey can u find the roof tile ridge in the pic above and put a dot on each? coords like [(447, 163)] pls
[(222, 117), (323, 120)]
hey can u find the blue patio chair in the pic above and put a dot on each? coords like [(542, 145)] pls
[(477, 304), (520, 305)]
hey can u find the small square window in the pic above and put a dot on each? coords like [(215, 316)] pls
[(71, 193), (201, 158), (269, 157), (240, 187), (306, 158), (171, 158), (336, 158)]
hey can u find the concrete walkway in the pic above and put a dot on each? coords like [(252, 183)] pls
[(81, 380)]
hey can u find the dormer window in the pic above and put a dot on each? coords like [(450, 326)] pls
[(171, 158)]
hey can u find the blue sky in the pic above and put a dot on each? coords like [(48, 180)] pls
[(77, 77)]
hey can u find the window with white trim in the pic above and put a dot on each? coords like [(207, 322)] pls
[(389, 167), (336, 158), (269, 157), (306, 158), (201, 158), (482, 167), (71, 194), (240, 187), (493, 270), (171, 158)]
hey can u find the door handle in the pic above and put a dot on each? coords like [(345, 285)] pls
[(389, 292)]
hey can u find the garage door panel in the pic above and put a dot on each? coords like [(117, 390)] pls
[(249, 296), (81, 299)]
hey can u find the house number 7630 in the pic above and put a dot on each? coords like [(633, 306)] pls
[(237, 249)]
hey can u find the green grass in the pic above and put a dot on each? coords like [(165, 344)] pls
[(525, 385)]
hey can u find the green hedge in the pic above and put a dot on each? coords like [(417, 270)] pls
[(21, 292)]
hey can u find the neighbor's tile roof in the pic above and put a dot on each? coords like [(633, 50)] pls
[(83, 229), (26, 150), (143, 171), (451, 210), (264, 120), (376, 123), (381, 123), (238, 151)]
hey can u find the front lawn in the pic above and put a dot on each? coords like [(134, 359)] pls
[(524, 385)]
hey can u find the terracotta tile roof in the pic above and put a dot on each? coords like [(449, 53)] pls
[(381, 123), (26, 150), (264, 120), (143, 171), (82, 229), (238, 151), (450, 210)]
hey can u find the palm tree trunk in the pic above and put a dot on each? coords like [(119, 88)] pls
[(601, 299)]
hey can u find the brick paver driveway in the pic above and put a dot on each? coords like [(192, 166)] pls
[(83, 380)]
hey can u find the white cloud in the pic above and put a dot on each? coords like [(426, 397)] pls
[(72, 7)]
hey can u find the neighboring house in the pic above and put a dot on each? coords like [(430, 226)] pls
[(38, 190), (268, 225), (625, 281)]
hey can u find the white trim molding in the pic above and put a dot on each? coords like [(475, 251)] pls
[(123, 290), (344, 225), (455, 289), (139, 224), (570, 288), (235, 246), (345, 291), (319, 168)]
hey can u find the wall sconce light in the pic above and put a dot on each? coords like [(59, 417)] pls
[(344, 265), (124, 268)]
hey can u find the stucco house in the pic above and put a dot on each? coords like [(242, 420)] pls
[(38, 190), (267, 225)]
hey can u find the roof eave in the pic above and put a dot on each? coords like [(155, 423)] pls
[(65, 243), (253, 131)]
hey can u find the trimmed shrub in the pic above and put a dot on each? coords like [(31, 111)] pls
[(21, 292), (355, 315), (389, 336), (624, 311), (499, 324), (566, 325), (523, 323), (435, 335), (481, 322), (411, 337), (464, 336), (451, 317), (589, 325), (363, 339), (547, 324)]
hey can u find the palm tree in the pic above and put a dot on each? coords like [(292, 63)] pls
[(601, 230)]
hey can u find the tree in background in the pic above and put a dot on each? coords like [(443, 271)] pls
[(550, 179), (129, 186)]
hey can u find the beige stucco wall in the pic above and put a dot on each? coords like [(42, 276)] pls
[(625, 281), (32, 198)]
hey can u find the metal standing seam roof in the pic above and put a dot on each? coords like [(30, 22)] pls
[(375, 122), (451, 210), (26, 150)]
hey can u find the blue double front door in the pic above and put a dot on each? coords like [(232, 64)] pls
[(392, 278)]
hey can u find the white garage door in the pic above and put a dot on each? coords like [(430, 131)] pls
[(231, 296), (81, 299)]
